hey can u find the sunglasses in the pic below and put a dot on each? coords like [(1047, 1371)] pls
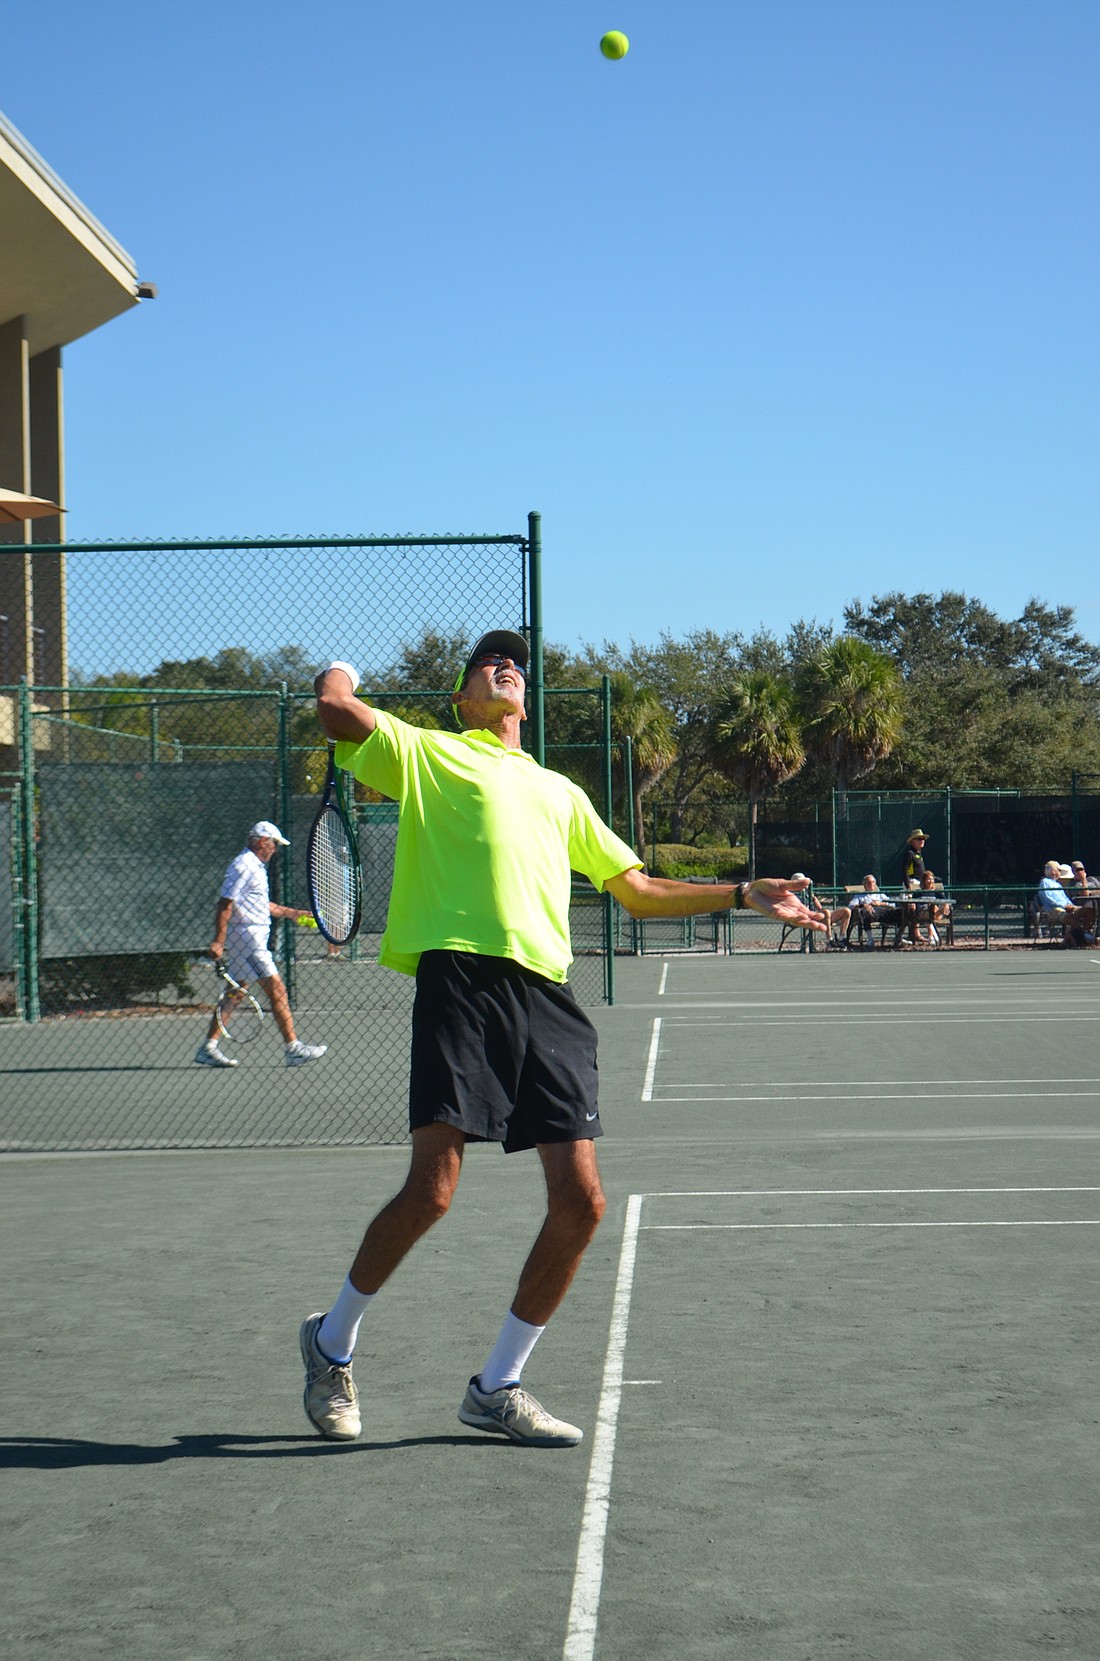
[(492, 659)]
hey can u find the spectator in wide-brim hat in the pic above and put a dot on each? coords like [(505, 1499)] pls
[(912, 870)]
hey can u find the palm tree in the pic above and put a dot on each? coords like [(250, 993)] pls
[(637, 713), (852, 707), (754, 738)]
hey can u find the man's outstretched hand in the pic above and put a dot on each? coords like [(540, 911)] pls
[(775, 897)]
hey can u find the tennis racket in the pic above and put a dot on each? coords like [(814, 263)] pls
[(334, 876), (237, 1013)]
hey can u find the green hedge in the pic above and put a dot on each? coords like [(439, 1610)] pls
[(99, 983), (675, 859)]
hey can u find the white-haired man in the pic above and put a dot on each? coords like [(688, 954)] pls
[(871, 907), (242, 924)]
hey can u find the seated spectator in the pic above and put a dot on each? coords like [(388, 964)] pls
[(932, 913), (872, 898), (873, 906), (1081, 879), (1079, 923), (1051, 899), (836, 919)]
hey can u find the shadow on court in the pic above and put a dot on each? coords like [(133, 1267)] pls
[(57, 1453), (46, 1072)]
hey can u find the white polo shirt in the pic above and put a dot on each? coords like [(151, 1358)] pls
[(246, 885)]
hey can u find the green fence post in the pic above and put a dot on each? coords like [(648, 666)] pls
[(628, 790), (154, 732), (15, 860), (536, 684), (283, 796), (608, 785), (32, 1009), (836, 878), (1075, 822)]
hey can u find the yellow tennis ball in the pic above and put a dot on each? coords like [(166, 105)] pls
[(614, 44)]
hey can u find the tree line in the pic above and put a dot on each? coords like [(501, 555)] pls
[(914, 692)]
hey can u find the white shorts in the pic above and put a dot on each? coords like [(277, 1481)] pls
[(246, 961)]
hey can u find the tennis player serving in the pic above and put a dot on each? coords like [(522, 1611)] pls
[(501, 1052)]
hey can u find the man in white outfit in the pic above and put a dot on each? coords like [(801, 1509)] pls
[(242, 923)]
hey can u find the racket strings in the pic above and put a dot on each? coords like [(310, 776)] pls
[(333, 875), (239, 1016)]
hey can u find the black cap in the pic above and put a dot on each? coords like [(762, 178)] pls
[(504, 641)]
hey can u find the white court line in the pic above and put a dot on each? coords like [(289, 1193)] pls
[(664, 980), (651, 1064), (580, 1637), (878, 1083), (745, 1228), (836, 1020), (902, 1096), (751, 1007), (815, 1193)]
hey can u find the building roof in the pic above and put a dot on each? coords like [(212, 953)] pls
[(59, 267)]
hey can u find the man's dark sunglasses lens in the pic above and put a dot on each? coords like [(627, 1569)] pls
[(491, 659)]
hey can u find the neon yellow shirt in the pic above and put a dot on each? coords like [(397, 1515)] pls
[(486, 840)]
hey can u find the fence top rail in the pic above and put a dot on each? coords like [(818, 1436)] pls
[(245, 544), (195, 694)]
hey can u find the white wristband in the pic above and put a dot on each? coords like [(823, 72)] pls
[(348, 670)]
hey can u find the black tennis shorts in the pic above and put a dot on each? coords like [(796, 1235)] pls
[(500, 1053)]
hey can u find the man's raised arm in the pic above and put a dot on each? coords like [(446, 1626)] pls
[(340, 712)]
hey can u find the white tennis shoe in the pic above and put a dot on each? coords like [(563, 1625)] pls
[(298, 1053), (514, 1412), (209, 1055), (331, 1400)]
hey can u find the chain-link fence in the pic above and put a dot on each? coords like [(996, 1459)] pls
[(127, 785), (997, 838)]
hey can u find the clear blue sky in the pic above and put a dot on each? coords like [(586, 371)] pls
[(796, 303)]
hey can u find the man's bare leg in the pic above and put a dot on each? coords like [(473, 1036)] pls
[(327, 1341), (280, 1005), (494, 1400), (426, 1197), (574, 1205)]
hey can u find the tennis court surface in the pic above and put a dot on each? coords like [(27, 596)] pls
[(834, 1350)]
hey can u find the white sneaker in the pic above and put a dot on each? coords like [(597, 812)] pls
[(513, 1412), (298, 1053), (209, 1055), (331, 1400)]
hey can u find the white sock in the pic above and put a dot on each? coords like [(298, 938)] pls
[(510, 1353), (339, 1330)]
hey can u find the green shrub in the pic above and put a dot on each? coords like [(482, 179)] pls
[(112, 982), (675, 859)]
